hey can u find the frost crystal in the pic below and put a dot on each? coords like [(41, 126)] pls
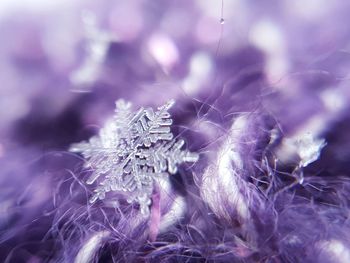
[(131, 151)]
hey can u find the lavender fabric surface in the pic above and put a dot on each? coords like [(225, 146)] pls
[(262, 96)]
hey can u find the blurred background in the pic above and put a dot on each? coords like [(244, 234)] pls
[(63, 64)]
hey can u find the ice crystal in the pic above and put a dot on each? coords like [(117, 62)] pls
[(131, 151), (309, 148)]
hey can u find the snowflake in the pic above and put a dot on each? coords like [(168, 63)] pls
[(131, 151)]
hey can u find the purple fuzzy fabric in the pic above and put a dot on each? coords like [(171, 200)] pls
[(262, 95)]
